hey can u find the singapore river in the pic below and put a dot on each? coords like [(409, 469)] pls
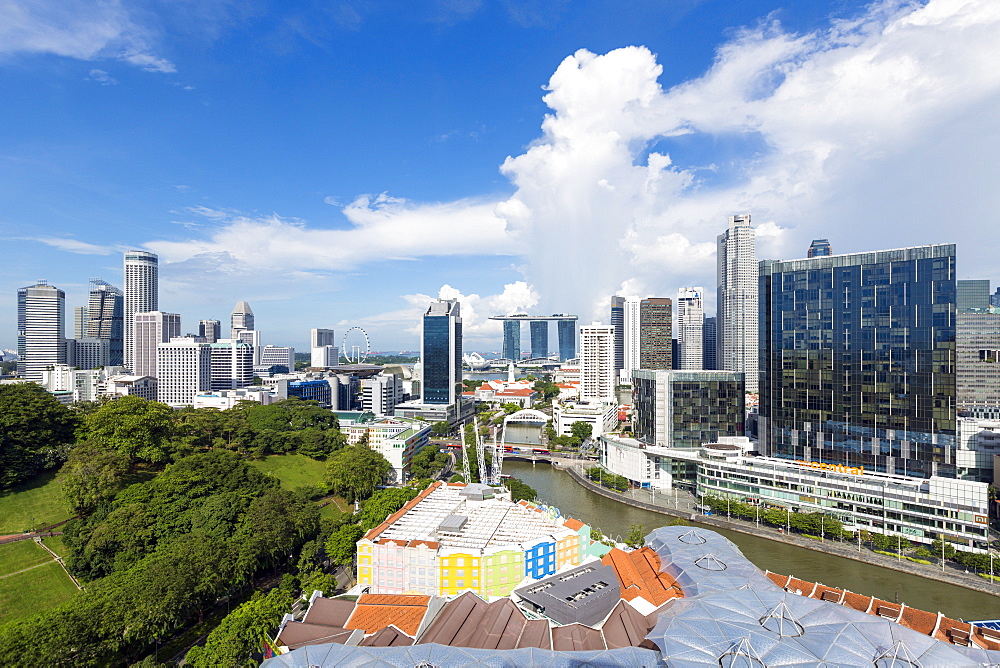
[(557, 488)]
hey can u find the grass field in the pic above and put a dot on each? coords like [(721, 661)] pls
[(19, 555), (55, 543), (38, 502), (33, 591), (293, 470)]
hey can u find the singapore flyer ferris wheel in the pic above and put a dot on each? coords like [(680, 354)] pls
[(355, 346)]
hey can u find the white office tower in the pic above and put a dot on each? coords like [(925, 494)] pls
[(88, 353), (737, 300), (251, 337), (41, 338), (689, 326), (80, 322), (380, 394), (149, 331), (597, 363), (232, 364), (184, 366), (210, 330), (141, 292), (272, 356), (631, 328), (325, 356), (241, 319), (321, 337)]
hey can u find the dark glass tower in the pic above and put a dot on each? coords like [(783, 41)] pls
[(972, 295), (655, 338), (106, 318), (708, 342), (858, 360), (539, 338), (618, 322), (566, 330), (441, 353), (512, 340), (820, 248)]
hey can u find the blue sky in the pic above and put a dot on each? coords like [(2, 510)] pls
[(341, 163)]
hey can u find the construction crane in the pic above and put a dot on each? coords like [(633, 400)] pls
[(480, 452), (466, 472)]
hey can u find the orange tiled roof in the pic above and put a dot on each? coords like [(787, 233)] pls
[(638, 573), (377, 611), (573, 524)]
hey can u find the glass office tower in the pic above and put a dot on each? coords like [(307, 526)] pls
[(685, 409), (441, 353), (512, 340), (539, 338), (858, 360), (566, 330)]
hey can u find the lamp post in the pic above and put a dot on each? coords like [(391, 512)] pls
[(822, 527), (788, 519), (756, 512)]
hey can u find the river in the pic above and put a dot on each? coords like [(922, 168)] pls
[(557, 488)]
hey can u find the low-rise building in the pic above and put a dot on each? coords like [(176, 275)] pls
[(602, 417), (127, 385), (226, 399), (396, 439)]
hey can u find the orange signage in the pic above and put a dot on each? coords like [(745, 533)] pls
[(836, 468)]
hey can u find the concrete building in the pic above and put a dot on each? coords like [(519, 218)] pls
[(598, 375), (977, 363), (977, 449), (322, 337), (618, 322), (150, 330), (106, 319), (225, 399), (210, 330), (251, 337), (381, 394), (737, 300), (184, 368), (690, 319), (232, 364), (84, 384), (129, 385), (79, 322), (602, 417), (325, 357), (859, 360), (630, 338), (41, 340), (276, 357), (709, 340), (141, 294), (88, 353), (395, 438), (683, 409), (655, 333), (241, 319), (441, 353)]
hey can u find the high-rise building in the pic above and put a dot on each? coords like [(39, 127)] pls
[(381, 393), (972, 295), (241, 319), (106, 318), (251, 337), (630, 338), (150, 330), (977, 363), (686, 409), (210, 330), (820, 248), (322, 337), (512, 340), (231, 364), (141, 294), (276, 357), (995, 299), (41, 340), (655, 333), (566, 330), (858, 357), (539, 338), (598, 375), (441, 353), (79, 322), (618, 322), (184, 366), (708, 341), (324, 357), (88, 353), (690, 325), (736, 347)]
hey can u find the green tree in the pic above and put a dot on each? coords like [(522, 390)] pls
[(938, 545), (510, 409), (92, 475), (135, 427), (239, 634), (273, 527), (355, 471), (520, 490), (440, 429), (342, 544), (636, 536), (581, 430), (35, 432), (383, 503)]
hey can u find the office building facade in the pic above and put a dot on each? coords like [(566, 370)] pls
[(231, 364), (151, 329), (241, 319), (859, 359), (683, 409), (655, 333), (184, 366), (41, 336), (511, 340), (106, 318), (598, 375), (630, 336), (820, 248), (441, 353), (736, 347), (88, 353), (977, 363), (276, 359), (690, 324), (539, 338), (566, 330), (141, 294), (972, 295), (618, 322), (380, 394), (322, 337), (709, 337), (79, 322), (210, 330), (324, 357)]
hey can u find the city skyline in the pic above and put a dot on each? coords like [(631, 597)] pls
[(371, 203)]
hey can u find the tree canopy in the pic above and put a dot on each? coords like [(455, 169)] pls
[(35, 432), (92, 475), (136, 427), (355, 471)]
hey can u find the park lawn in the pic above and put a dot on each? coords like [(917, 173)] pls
[(292, 470), (37, 590), (20, 555), (37, 501), (56, 544)]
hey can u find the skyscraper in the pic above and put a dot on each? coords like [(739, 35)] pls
[(441, 353), (820, 248), (141, 293), (618, 322), (41, 340), (690, 323), (79, 322), (323, 348), (232, 364), (709, 338), (566, 330), (597, 363), (106, 318), (972, 295), (539, 338), (242, 319), (858, 353), (512, 340), (736, 349), (322, 337), (630, 338), (995, 298), (151, 329), (655, 333), (210, 330)]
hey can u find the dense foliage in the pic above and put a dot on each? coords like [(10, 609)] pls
[(35, 432), (608, 479), (355, 471), (427, 462), (520, 490)]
